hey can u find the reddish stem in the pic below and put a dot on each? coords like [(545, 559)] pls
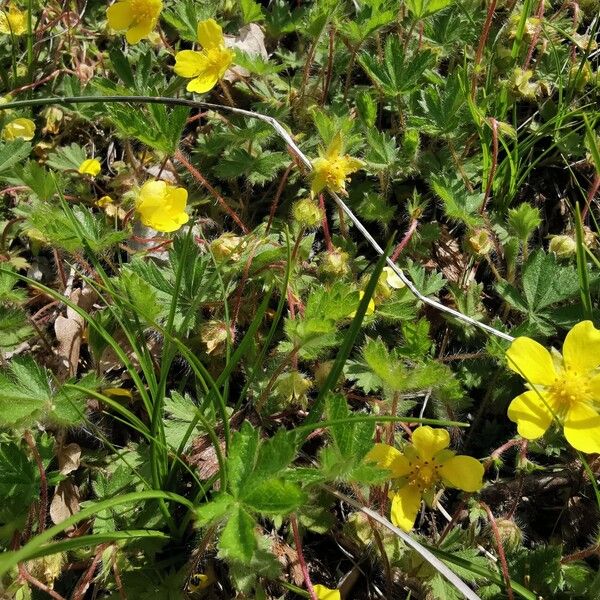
[(482, 41), (43, 481), (492, 173), (303, 567), (501, 555), (404, 241), (24, 574), (326, 235), (536, 36), (590, 196), (200, 179), (86, 578), (275, 202)]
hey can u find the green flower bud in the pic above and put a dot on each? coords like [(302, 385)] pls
[(563, 246), (511, 534), (227, 246), (480, 242), (292, 387), (335, 263), (307, 213), (213, 335)]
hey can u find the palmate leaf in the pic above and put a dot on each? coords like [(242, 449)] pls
[(397, 74), (27, 396), (257, 169), (424, 8), (14, 327), (67, 157), (18, 482), (459, 203)]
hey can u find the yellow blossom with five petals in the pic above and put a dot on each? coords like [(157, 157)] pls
[(423, 467), (19, 129), (162, 206), (90, 166), (207, 67), (136, 17), (566, 386), (13, 21), (331, 168), (325, 593)]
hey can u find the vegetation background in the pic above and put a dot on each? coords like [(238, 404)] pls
[(248, 249)]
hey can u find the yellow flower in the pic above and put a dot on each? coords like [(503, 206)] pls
[(567, 387), (331, 169), (162, 206), (137, 17), (19, 128), (90, 166), (324, 593), (425, 465), (13, 21), (392, 279), (370, 306), (104, 201), (209, 65)]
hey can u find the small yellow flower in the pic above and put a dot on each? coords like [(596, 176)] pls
[(425, 465), (162, 206), (331, 169), (90, 166), (13, 21), (104, 201), (208, 66), (566, 386), (137, 17), (370, 306), (19, 128), (325, 593), (392, 279)]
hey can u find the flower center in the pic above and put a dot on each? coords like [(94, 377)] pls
[(144, 10), (424, 474), (336, 173), (568, 389)]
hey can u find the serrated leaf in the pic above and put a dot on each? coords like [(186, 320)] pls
[(67, 157), (242, 458), (18, 482), (459, 204), (391, 371), (214, 510), (14, 327), (273, 497), (238, 539), (251, 11), (11, 153)]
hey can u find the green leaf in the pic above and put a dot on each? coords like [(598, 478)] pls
[(140, 294), (546, 282), (11, 153), (67, 157), (275, 454), (18, 482), (242, 458), (14, 327), (251, 11), (214, 510), (459, 204), (258, 169), (238, 539), (121, 66), (274, 497), (391, 372), (353, 440), (424, 8)]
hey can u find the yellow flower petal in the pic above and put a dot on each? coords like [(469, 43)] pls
[(581, 349), (189, 63), (387, 457), (405, 506), (161, 206), (463, 472), (13, 21), (594, 384), (210, 34), (19, 129), (429, 441), (139, 31), (532, 361), (203, 83), (120, 15), (531, 415), (176, 198), (582, 428), (325, 593), (90, 166)]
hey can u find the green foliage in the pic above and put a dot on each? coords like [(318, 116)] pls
[(19, 485)]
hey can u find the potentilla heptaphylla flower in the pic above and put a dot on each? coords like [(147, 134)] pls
[(207, 67), (90, 166), (12, 20), (565, 386), (162, 206), (331, 168), (421, 469), (136, 17), (19, 129)]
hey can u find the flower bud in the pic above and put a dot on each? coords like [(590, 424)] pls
[(335, 263), (292, 387), (307, 213), (511, 534), (480, 242), (213, 335), (227, 246), (563, 246), (48, 568)]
